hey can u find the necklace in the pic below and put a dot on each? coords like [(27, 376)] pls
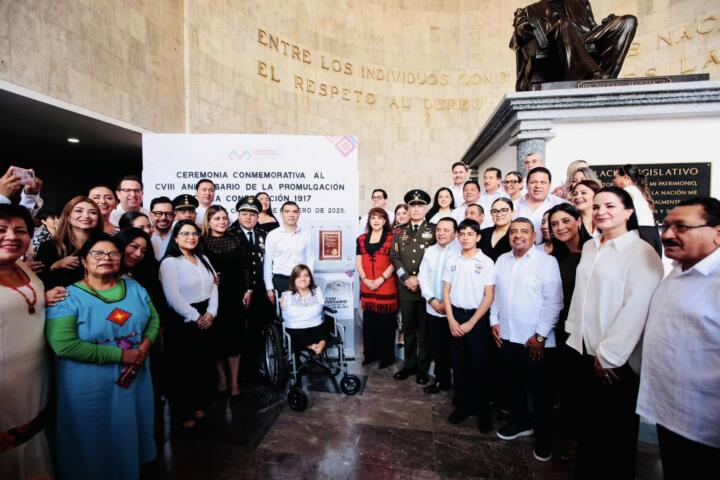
[(30, 303)]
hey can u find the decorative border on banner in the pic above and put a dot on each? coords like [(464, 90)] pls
[(345, 144)]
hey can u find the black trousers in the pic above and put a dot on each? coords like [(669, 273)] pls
[(379, 336), (469, 355), (440, 339), (193, 372), (415, 331), (281, 283), (607, 443), (684, 458), (260, 312), (524, 376)]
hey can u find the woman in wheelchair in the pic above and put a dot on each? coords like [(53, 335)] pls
[(302, 311)]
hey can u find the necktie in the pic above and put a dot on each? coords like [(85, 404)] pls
[(250, 238), (415, 228)]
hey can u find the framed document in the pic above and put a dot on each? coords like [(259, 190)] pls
[(330, 244)]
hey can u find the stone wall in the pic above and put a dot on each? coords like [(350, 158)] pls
[(413, 79)]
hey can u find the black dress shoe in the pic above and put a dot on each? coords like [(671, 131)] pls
[(404, 373), (436, 388), (457, 416), (422, 380)]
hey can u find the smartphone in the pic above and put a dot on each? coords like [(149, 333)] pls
[(26, 176)]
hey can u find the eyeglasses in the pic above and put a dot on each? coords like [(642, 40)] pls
[(377, 197), (189, 234), (163, 214), (131, 190), (510, 182), (99, 255), (680, 227), (499, 211)]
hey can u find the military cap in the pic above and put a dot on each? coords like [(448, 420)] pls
[(248, 203), (417, 197), (185, 202)]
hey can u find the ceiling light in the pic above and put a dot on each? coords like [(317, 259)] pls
[(73, 140)]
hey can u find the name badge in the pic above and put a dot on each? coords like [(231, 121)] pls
[(426, 235)]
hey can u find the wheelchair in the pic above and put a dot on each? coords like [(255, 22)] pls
[(284, 366)]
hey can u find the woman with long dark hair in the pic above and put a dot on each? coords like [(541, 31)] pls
[(136, 219), (378, 289), (228, 256), (188, 280), (302, 311), (267, 222), (443, 205), (582, 199), (616, 277), (79, 219)]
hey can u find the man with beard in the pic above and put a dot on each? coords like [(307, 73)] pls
[(162, 215)]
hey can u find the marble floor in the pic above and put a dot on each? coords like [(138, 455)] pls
[(390, 430)]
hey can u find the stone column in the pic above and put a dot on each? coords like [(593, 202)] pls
[(530, 137)]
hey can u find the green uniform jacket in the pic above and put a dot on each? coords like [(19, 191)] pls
[(407, 252)]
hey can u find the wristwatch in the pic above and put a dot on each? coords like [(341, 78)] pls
[(539, 338), (430, 300)]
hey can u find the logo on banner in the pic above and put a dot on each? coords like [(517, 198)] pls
[(244, 155), (345, 144)]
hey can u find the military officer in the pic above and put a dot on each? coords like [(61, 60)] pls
[(408, 248), (258, 308), (184, 206)]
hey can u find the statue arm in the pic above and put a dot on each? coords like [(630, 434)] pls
[(523, 30)]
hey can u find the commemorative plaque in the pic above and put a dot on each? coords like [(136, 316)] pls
[(330, 245), (669, 183)]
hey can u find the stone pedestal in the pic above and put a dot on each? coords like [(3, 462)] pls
[(638, 124)]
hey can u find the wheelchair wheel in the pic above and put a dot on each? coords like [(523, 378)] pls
[(297, 399), (350, 384), (274, 357)]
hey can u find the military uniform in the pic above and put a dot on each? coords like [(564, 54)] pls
[(408, 249), (260, 310)]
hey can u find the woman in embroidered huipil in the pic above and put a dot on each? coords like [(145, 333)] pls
[(100, 332), (24, 373), (378, 289)]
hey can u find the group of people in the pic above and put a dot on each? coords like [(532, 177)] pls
[(135, 305), (525, 292), (522, 288)]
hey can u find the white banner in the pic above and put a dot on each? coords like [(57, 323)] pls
[(318, 172)]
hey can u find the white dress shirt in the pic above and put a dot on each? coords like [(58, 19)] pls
[(33, 203), (284, 250), (119, 211), (642, 208), (160, 244), (612, 294), (457, 192), (468, 278), (302, 312), (528, 296), (185, 283), (522, 209), (430, 274), (680, 376)]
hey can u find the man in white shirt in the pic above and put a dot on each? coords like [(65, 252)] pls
[(129, 192), (286, 247), (538, 200), (460, 175), (29, 196), (680, 378), (378, 199), (471, 194), (431, 287), (528, 300), (534, 160), (492, 178), (468, 292), (205, 194), (162, 216)]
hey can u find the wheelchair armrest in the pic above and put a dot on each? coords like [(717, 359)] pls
[(329, 309)]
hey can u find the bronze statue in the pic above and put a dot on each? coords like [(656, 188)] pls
[(558, 40)]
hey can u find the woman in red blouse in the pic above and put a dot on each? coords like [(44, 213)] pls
[(378, 289)]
